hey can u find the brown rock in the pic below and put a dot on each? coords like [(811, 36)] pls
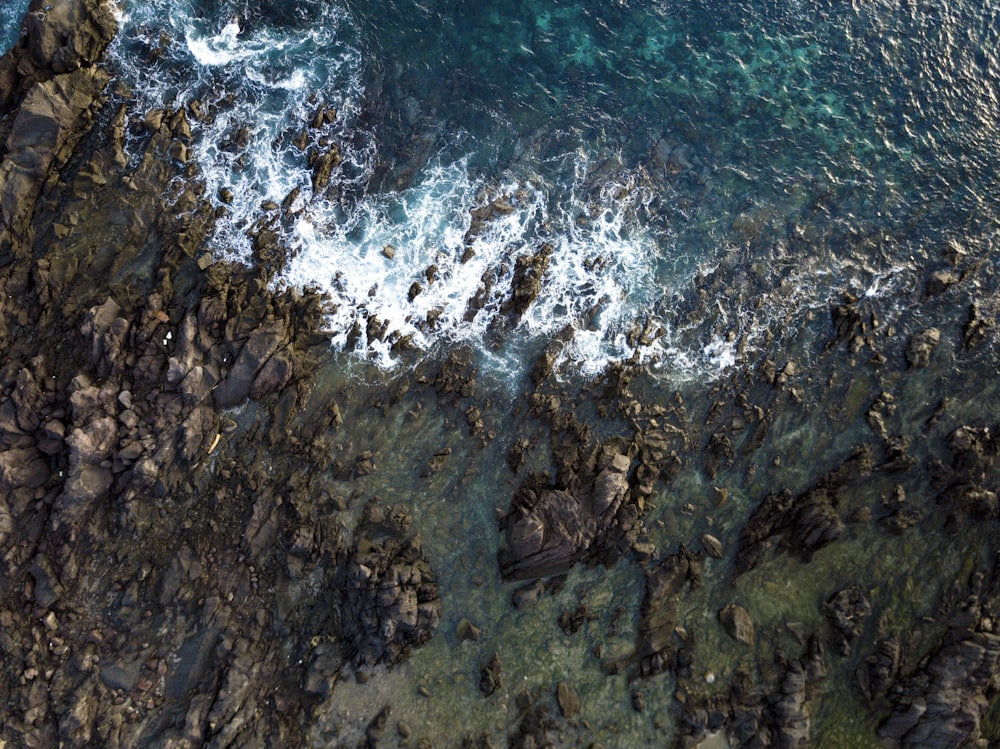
[(569, 703), (918, 353), (737, 623), (712, 546)]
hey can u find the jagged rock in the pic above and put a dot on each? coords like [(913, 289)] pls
[(534, 729), (799, 525), (944, 703), (918, 352), (55, 38), (324, 667), (847, 612), (467, 631), (550, 529), (491, 676), (527, 281), (976, 327), (375, 729), (390, 594), (323, 169), (737, 623), (940, 281), (880, 669), (657, 648)]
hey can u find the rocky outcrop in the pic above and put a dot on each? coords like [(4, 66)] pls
[(944, 702), (847, 612), (773, 710), (799, 525), (549, 529), (658, 640), (390, 599), (56, 38)]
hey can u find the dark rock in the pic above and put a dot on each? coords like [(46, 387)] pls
[(324, 669), (527, 281), (261, 344), (274, 376), (638, 701), (491, 676), (55, 39), (944, 702), (375, 729), (322, 169), (847, 612), (44, 129), (880, 670), (23, 467), (976, 327), (47, 588), (550, 529), (122, 674), (571, 622), (390, 594), (940, 281), (657, 648), (800, 525)]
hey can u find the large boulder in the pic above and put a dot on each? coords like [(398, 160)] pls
[(549, 529), (56, 38), (46, 128)]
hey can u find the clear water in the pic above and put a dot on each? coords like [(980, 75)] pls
[(11, 12), (645, 141), (720, 170)]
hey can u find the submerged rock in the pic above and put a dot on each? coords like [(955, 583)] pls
[(737, 623), (390, 594), (847, 612), (548, 529), (800, 525)]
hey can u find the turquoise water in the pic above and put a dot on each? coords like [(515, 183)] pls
[(11, 12), (647, 142), (720, 171)]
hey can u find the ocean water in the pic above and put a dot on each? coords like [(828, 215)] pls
[(712, 174), (770, 155), (649, 144), (11, 13)]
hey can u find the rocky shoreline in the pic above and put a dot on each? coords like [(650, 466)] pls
[(199, 545)]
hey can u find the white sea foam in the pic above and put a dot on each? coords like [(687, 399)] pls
[(262, 84)]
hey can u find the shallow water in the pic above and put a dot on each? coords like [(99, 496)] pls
[(724, 171)]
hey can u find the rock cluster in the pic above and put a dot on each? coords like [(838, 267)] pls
[(549, 529), (171, 580)]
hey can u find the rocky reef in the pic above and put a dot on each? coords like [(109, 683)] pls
[(213, 534)]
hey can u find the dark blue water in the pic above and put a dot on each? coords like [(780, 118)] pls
[(773, 137)]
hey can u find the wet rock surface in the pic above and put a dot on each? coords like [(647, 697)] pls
[(205, 542)]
